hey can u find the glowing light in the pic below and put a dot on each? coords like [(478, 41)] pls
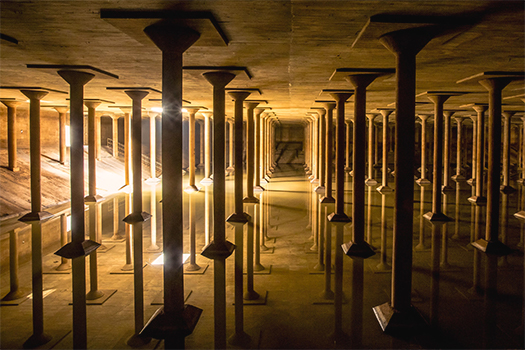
[(160, 259), (184, 110), (156, 109), (68, 223), (68, 137)]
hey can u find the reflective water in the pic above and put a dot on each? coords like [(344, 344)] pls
[(467, 299)]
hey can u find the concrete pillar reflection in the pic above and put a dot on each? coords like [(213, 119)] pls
[(114, 138), (14, 283), (152, 149), (383, 261), (11, 134), (348, 157), (191, 148), (446, 149), (230, 167)]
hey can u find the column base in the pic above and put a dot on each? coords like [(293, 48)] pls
[(478, 200), (314, 181), (251, 295), (191, 189), (250, 199), (348, 169), (192, 267), (92, 199), (37, 340), (75, 250), (161, 327), (423, 182), (507, 189), (458, 178), (238, 218), (218, 251), (351, 173), (36, 217), (258, 189), (240, 339), (14, 295), (334, 217), (152, 181), (308, 172), (394, 322), (384, 189), (447, 189), (319, 190), (370, 182), (471, 182), (264, 181), (94, 294), (358, 250), (206, 181), (436, 217), (14, 170), (230, 169), (134, 218), (327, 199), (492, 247)]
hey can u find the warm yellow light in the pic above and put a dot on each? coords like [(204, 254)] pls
[(68, 137), (160, 259), (156, 109)]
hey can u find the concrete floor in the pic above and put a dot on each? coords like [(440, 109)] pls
[(290, 319)]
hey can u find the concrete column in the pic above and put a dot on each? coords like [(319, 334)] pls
[(264, 176), (219, 249), (505, 186), (438, 99), (384, 188), (36, 217), (62, 147), (522, 146), (114, 132), (152, 149), (479, 199), (238, 219), (98, 136), (348, 168), (494, 83), (201, 144), (329, 146), (404, 44), (423, 181), (14, 282), (230, 168), (472, 180), (257, 187), (191, 148), (78, 248), (322, 152), (459, 159), (173, 40), (339, 215), (250, 154), (315, 150), (127, 146), (207, 148), (446, 149), (92, 162), (137, 217), (370, 181), (11, 134)]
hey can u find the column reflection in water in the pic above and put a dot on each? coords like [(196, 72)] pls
[(383, 262), (65, 264), (421, 245), (250, 293), (503, 261), (369, 218), (437, 231), (207, 212), (264, 222), (327, 293), (257, 221), (14, 292), (456, 235), (476, 289), (356, 303), (154, 247), (444, 235), (315, 223), (128, 266), (490, 324), (322, 221), (192, 265), (116, 222)]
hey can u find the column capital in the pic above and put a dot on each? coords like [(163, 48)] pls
[(171, 37), (34, 94), (92, 104), (11, 103), (239, 95), (219, 79), (136, 95), (250, 104)]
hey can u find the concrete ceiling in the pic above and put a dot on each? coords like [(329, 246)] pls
[(291, 48)]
